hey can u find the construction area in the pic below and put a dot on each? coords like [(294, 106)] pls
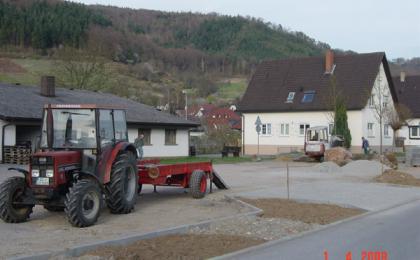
[(254, 210)]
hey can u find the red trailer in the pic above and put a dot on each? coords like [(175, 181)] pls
[(187, 175)]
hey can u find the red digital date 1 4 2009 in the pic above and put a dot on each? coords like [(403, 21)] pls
[(365, 255)]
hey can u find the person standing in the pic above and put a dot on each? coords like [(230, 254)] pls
[(139, 143), (365, 145)]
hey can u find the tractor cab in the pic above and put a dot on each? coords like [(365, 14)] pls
[(80, 133), (316, 141)]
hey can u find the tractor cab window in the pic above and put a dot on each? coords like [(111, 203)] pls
[(120, 125), (106, 129), (72, 128)]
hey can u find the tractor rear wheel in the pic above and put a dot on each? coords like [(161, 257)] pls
[(83, 203), (198, 184), (123, 186), (12, 191)]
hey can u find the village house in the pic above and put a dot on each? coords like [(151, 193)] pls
[(408, 92), (21, 112), (291, 95)]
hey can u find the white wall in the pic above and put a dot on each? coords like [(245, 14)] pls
[(370, 116), (294, 119), (158, 147), (9, 136)]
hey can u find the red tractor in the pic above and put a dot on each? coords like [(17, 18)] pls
[(84, 159), (84, 154)]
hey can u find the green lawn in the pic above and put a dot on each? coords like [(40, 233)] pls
[(218, 160), (232, 90)]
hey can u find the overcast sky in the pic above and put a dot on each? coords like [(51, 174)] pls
[(360, 25)]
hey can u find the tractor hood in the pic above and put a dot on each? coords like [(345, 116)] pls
[(58, 158)]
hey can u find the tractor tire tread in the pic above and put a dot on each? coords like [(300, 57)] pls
[(6, 213), (72, 203), (114, 189)]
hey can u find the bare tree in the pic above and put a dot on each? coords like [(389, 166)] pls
[(379, 102), (397, 118), (81, 70)]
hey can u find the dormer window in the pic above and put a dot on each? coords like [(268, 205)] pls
[(290, 97), (308, 96)]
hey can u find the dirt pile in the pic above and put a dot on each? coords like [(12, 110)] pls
[(182, 246), (363, 168), (8, 66), (339, 155), (305, 212), (329, 167), (397, 177)]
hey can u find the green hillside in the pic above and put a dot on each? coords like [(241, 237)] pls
[(146, 55)]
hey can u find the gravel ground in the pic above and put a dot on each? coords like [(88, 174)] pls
[(257, 227)]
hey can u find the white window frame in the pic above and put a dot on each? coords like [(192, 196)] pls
[(305, 127), (290, 97), (371, 130), (411, 136), (267, 128), (386, 131), (371, 102), (283, 128)]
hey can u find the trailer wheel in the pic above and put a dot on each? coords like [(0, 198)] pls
[(11, 191), (83, 203), (123, 186), (198, 184)]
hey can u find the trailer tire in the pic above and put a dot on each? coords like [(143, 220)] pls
[(83, 203), (198, 184), (10, 190), (123, 186)]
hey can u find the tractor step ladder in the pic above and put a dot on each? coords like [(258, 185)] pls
[(219, 182)]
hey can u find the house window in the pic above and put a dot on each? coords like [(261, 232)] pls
[(370, 130), (386, 130), (415, 132), (308, 97), (290, 97), (170, 136), (284, 129), (372, 101), (266, 129), (303, 128), (386, 100), (147, 139)]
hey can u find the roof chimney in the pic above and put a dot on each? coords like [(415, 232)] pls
[(48, 86), (402, 76), (329, 62)]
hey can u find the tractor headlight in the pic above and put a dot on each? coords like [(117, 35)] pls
[(35, 173), (49, 173)]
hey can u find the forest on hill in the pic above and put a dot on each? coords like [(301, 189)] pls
[(146, 55)]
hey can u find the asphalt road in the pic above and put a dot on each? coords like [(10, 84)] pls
[(395, 233)]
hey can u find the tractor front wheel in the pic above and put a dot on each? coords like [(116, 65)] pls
[(83, 203), (12, 192), (198, 184), (123, 186)]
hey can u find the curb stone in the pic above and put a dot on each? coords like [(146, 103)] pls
[(80, 250)]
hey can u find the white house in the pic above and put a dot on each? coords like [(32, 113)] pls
[(21, 112), (291, 95), (408, 92)]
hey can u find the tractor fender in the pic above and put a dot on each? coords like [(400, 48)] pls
[(109, 158), (23, 171), (87, 175)]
